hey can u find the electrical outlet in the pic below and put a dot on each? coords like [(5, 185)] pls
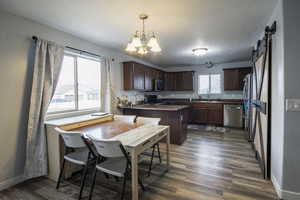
[(293, 105)]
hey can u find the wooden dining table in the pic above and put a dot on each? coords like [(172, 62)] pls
[(135, 137)]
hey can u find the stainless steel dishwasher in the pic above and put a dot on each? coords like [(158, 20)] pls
[(233, 116)]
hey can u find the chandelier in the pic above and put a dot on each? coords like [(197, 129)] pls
[(200, 51), (140, 44)]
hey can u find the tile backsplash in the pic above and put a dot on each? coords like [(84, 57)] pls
[(134, 96), (187, 95)]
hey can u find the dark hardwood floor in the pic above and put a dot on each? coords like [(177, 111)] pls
[(208, 166)]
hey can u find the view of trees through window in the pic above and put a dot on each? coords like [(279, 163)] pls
[(79, 85)]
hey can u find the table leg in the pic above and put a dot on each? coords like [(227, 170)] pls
[(134, 175), (168, 149)]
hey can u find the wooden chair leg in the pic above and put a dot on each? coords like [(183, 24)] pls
[(83, 177), (60, 174), (150, 166), (93, 183)]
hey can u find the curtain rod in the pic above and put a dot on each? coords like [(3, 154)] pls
[(35, 38)]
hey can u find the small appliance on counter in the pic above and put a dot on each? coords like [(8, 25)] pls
[(151, 99), (247, 97), (123, 101)]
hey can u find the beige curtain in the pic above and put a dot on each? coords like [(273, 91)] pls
[(47, 65), (109, 98)]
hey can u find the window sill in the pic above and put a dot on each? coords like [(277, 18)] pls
[(70, 114)]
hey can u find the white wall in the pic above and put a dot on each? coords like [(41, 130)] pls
[(291, 165), (217, 69), (285, 137), (277, 114), (15, 82)]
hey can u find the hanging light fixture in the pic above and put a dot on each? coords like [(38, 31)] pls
[(200, 51), (140, 44), (130, 47)]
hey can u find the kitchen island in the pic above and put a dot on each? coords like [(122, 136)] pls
[(176, 116), (205, 111)]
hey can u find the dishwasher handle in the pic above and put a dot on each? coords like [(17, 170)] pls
[(232, 107)]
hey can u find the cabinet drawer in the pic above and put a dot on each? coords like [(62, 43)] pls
[(208, 105), (200, 105), (215, 106)]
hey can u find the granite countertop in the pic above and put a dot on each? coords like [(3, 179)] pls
[(187, 101), (156, 107), (223, 101)]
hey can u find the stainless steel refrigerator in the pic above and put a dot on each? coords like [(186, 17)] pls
[(247, 98)]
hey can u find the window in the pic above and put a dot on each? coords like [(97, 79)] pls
[(78, 86), (209, 84)]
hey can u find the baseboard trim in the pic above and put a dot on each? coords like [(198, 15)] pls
[(276, 186), (289, 195), (11, 182), (284, 194)]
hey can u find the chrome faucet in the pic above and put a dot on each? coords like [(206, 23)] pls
[(191, 97), (136, 99), (208, 96)]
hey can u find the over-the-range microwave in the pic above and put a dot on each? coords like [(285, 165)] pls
[(158, 85)]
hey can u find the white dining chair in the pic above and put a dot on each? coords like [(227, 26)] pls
[(148, 120), (84, 155), (152, 121), (116, 162), (125, 118)]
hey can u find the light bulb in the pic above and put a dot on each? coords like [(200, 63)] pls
[(152, 42), (130, 47), (200, 51), (156, 49), (136, 41), (142, 51)]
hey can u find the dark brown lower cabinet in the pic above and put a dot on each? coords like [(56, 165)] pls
[(215, 116), (199, 115), (207, 113), (177, 120)]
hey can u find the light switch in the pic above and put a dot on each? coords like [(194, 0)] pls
[(293, 105)]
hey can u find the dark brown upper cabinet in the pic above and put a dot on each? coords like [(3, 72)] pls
[(134, 76), (158, 74), (149, 77), (140, 77), (170, 81), (187, 81), (233, 78), (179, 81)]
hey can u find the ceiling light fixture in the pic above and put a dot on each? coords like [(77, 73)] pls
[(140, 44), (200, 51)]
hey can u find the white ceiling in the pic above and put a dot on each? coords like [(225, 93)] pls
[(226, 27)]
